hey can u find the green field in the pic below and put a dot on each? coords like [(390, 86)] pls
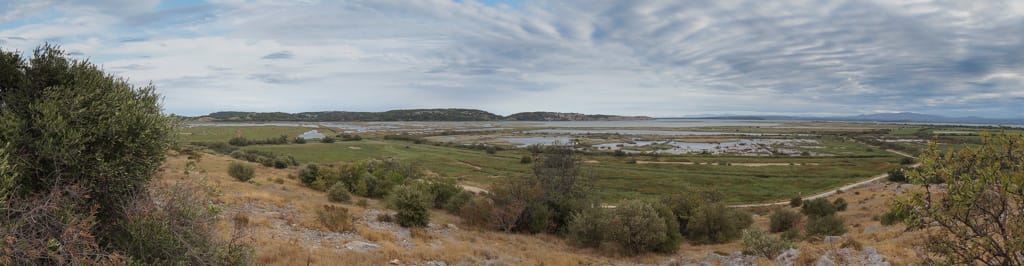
[(224, 133), (616, 178)]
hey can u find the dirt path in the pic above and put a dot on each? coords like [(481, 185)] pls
[(830, 192), (473, 189)]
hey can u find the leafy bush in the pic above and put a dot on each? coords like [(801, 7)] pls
[(840, 204), (336, 219), (240, 171), (590, 227), (298, 140), (308, 173), (818, 207), (796, 202), (892, 216), (907, 161), (338, 193), (412, 206), (783, 220), (828, 225), (634, 226), (442, 190), (759, 243), (898, 175), (717, 223), (65, 122), (327, 139), (455, 203), (526, 159)]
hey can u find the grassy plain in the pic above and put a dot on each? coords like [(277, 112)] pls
[(224, 133)]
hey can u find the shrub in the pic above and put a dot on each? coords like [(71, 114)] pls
[(840, 204), (338, 193), (442, 190), (491, 150), (759, 243), (280, 163), (412, 206), (327, 139), (362, 203), (477, 212), (455, 203), (898, 175), (796, 202), (526, 159), (241, 171), (891, 217), (792, 235), (717, 223), (309, 173), (828, 225), (336, 219), (176, 225), (67, 123), (619, 153), (638, 227), (298, 140), (907, 161), (783, 220), (589, 228), (818, 207)]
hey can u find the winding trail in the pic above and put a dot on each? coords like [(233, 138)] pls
[(831, 192)]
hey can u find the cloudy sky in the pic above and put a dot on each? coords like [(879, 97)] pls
[(659, 58)]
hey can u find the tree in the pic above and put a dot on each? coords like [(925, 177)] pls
[(717, 223), (976, 216), (68, 123)]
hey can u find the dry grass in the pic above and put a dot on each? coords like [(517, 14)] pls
[(273, 205)]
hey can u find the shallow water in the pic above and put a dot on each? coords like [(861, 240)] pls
[(741, 147), (638, 132), (312, 134)]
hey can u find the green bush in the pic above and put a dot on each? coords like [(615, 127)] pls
[(526, 159), (455, 203), (298, 140), (892, 216), (242, 172), (717, 223), (792, 234), (757, 242), (898, 175), (336, 219), (796, 202), (840, 204), (637, 227), (338, 193), (783, 219), (327, 139), (818, 207), (589, 228), (65, 122), (442, 190), (412, 206), (829, 225), (309, 173)]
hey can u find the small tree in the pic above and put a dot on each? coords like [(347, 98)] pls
[(977, 216), (242, 172), (717, 223), (413, 206), (783, 219), (840, 204), (327, 139)]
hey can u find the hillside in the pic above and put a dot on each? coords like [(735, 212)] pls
[(281, 216), (406, 115)]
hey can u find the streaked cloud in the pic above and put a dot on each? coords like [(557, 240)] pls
[(661, 58)]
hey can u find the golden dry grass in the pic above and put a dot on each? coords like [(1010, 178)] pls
[(282, 215)]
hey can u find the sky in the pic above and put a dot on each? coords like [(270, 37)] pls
[(645, 57)]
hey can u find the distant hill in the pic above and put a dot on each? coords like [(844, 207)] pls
[(882, 117), (405, 115)]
